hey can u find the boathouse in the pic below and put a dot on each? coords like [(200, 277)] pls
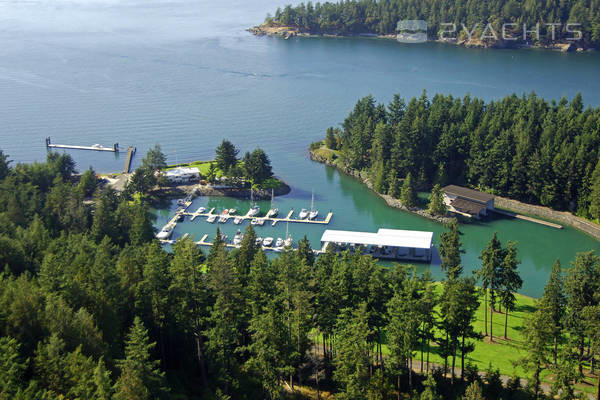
[(182, 175), (468, 202), (389, 244)]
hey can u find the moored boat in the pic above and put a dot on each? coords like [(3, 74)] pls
[(238, 220), (268, 241), (237, 239), (165, 233), (279, 242), (211, 218), (254, 211), (303, 213)]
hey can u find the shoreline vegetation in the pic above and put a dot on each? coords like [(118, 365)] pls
[(538, 157), (226, 175), (287, 32), (565, 26), (91, 306)]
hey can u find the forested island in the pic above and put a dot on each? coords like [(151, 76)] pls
[(92, 307), (525, 148), (358, 17)]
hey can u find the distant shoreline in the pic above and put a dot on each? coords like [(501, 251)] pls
[(287, 32)]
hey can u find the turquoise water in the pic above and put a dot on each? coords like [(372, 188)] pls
[(186, 74)]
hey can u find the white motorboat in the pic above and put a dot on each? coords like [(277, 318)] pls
[(181, 202), (232, 211), (268, 241), (237, 239), (258, 241), (211, 218), (254, 211), (260, 221), (238, 220), (254, 221), (201, 210), (165, 233), (223, 219), (303, 213), (96, 146), (279, 242)]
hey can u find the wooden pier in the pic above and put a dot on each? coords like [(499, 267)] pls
[(130, 153), (273, 220), (114, 149)]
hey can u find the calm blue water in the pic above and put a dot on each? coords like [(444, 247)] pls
[(186, 74)]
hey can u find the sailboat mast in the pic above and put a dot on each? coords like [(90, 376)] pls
[(312, 202)]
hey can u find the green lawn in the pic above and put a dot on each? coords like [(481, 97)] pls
[(202, 166)]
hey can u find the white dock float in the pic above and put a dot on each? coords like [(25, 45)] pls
[(114, 149)]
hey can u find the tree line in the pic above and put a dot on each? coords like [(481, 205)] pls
[(92, 306), (525, 148), (381, 17)]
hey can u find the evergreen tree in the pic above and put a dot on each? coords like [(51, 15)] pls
[(393, 189), (12, 368), (140, 376), (4, 165), (553, 302), (408, 197), (436, 201), (226, 156), (489, 275), (450, 250), (537, 343), (510, 281), (352, 359), (330, 141), (258, 167), (474, 392)]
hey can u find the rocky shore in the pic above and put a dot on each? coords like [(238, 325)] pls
[(392, 202), (198, 189), (287, 32)]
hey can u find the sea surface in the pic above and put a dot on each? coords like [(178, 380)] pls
[(186, 74)]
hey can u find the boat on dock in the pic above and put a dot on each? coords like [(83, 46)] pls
[(268, 241), (254, 221), (279, 242), (258, 241), (313, 213), (273, 211), (200, 210), (237, 239), (238, 220), (232, 211), (288, 242), (223, 219), (211, 218), (165, 233), (254, 211), (303, 213)]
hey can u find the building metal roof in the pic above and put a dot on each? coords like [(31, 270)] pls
[(468, 194), (182, 171), (383, 237), (467, 206)]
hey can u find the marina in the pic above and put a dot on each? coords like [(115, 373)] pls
[(250, 216)]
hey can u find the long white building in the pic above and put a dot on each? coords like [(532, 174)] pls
[(390, 244)]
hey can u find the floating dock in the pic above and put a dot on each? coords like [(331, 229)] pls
[(273, 220), (130, 153), (95, 147), (530, 219), (204, 242)]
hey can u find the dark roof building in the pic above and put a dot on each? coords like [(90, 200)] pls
[(468, 202)]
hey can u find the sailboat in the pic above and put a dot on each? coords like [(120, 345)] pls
[(313, 213), (273, 211), (288, 242), (255, 209)]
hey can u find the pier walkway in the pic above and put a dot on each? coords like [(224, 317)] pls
[(130, 153), (96, 147), (530, 219), (273, 220)]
